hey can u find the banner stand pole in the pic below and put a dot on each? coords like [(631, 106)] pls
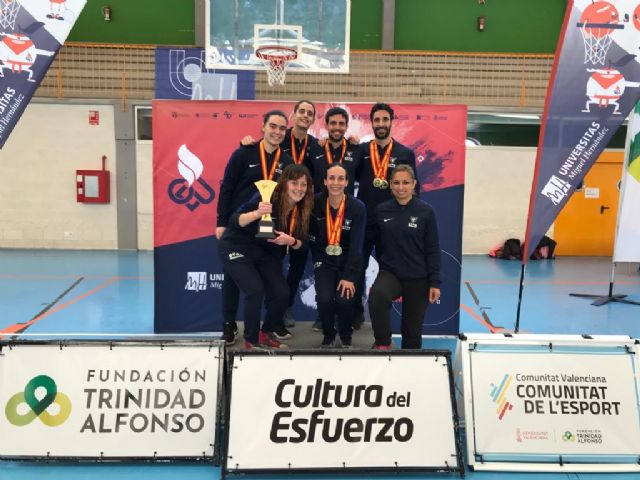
[(604, 299), (524, 266)]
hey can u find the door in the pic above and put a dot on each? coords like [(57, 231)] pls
[(586, 225)]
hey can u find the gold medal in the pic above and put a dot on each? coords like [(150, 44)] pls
[(329, 250), (384, 184), (377, 182), (337, 250)]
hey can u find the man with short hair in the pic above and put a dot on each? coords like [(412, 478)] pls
[(335, 149), (263, 160), (379, 157)]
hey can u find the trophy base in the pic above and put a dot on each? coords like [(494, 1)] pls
[(265, 230)]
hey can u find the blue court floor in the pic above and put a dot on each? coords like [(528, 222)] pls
[(70, 293)]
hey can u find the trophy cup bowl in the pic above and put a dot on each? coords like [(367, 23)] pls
[(265, 227)]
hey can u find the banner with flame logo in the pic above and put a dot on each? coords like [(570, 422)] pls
[(192, 142)]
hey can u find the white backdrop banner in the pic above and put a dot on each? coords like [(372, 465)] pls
[(109, 400), (541, 402), (337, 412)]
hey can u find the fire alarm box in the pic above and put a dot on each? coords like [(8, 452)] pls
[(92, 186)]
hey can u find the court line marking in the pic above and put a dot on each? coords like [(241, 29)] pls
[(18, 327), (480, 307), (470, 311)]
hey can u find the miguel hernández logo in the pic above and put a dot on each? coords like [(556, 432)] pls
[(38, 406), (191, 190), (498, 395)]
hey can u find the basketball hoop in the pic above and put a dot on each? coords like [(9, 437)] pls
[(8, 13), (597, 40), (276, 58)]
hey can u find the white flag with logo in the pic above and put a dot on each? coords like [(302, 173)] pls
[(627, 246)]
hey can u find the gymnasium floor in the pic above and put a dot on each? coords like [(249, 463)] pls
[(70, 293)]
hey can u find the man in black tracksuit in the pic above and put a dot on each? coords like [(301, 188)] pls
[(381, 167), (243, 169), (297, 143), (337, 149)]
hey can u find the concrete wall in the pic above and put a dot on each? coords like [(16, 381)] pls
[(38, 207)]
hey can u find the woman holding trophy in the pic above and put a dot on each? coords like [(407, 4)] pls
[(254, 243), (337, 233)]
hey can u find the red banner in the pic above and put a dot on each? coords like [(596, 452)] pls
[(192, 142)]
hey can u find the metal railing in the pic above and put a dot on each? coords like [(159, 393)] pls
[(126, 72)]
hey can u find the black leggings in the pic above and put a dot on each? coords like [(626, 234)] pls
[(297, 264), (415, 299), (257, 277), (331, 303)]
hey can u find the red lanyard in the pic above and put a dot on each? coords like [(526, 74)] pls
[(292, 221), (334, 226), (298, 158), (380, 167), (263, 162), (327, 151)]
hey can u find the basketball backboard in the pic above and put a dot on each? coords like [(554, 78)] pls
[(318, 31)]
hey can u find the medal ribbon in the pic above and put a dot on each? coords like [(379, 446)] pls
[(380, 168), (292, 220), (263, 162), (334, 227), (298, 158), (327, 151)]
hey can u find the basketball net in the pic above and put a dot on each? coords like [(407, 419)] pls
[(597, 41), (8, 13), (276, 59)]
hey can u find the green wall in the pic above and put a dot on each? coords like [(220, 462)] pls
[(517, 26), (451, 25), (366, 24), (163, 22)]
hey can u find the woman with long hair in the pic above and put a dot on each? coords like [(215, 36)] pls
[(337, 233), (255, 264), (409, 260)]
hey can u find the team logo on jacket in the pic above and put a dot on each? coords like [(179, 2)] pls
[(413, 223), (191, 190), (347, 224), (235, 255)]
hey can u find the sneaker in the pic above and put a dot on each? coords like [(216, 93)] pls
[(346, 342), (358, 320), (381, 347), (288, 319), (282, 334), (268, 339), (230, 334), (317, 326), (251, 346), (328, 342)]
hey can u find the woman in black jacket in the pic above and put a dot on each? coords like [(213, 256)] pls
[(255, 264), (409, 260)]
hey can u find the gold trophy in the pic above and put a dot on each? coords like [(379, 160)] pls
[(265, 228)]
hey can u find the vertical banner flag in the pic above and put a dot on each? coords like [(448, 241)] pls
[(593, 86), (192, 142), (32, 33), (628, 235)]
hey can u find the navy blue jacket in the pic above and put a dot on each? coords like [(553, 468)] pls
[(370, 195), (242, 170), (243, 239), (355, 217), (407, 240), (317, 164), (286, 146)]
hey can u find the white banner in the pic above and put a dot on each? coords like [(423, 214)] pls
[(291, 412), (109, 400), (553, 401), (627, 247)]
